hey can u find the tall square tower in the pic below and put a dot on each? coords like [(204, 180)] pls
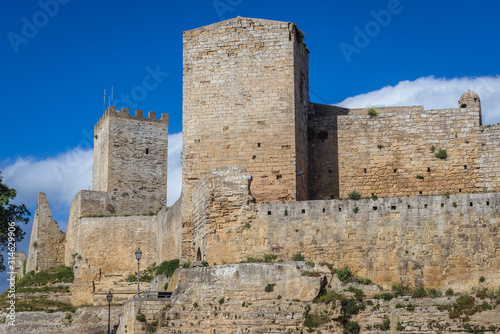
[(130, 158), (245, 102)]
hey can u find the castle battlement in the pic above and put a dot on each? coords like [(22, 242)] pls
[(125, 113)]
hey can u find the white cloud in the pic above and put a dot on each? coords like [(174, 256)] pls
[(63, 176), (434, 93), (60, 177), (174, 176)]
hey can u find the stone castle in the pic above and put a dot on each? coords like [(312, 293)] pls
[(265, 171)]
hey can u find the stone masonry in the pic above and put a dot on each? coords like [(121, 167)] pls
[(46, 248)]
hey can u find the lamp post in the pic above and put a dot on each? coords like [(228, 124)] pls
[(138, 255), (109, 297)]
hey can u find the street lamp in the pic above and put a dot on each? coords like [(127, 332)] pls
[(138, 255), (109, 298)]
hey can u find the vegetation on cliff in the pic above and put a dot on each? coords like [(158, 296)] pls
[(11, 216)]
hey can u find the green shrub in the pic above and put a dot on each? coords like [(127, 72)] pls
[(269, 258), (420, 292), (400, 290), (315, 319), (434, 293), (385, 325), (352, 327), (481, 279), (355, 209), (141, 317), (345, 274), (384, 295), (204, 263), (433, 148), (350, 307), (410, 307), (374, 197), (186, 265), (167, 268), (454, 204), (311, 273), (59, 274), (298, 257), (358, 293), (221, 301), (269, 287), (364, 281), (399, 305), (372, 112), (400, 327), (195, 304), (328, 297), (354, 195), (449, 292), (379, 146), (442, 154), (420, 177)]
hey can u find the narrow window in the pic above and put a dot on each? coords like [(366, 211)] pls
[(365, 170), (393, 207), (303, 211), (425, 206), (147, 151), (374, 208), (323, 209), (258, 144), (442, 205), (470, 204), (268, 213), (409, 207), (420, 193), (340, 209), (488, 203), (428, 170), (395, 170), (459, 190), (465, 166)]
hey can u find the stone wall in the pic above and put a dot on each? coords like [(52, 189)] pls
[(437, 241), (169, 233), (130, 156), (46, 249), (488, 161), (391, 154), (19, 258), (98, 204), (110, 242)]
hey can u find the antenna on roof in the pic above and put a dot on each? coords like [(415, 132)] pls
[(104, 102), (111, 95)]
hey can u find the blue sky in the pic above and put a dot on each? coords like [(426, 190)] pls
[(59, 56)]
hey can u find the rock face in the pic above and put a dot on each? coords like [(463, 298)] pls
[(47, 245)]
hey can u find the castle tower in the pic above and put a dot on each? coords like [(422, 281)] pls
[(470, 99), (246, 94), (130, 158)]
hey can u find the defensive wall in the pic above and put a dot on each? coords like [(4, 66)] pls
[(436, 241)]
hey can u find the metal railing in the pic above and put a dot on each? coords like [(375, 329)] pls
[(153, 295)]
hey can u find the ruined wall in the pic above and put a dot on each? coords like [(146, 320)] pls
[(46, 248), (221, 200), (431, 240), (383, 155), (19, 258), (169, 233), (130, 157)]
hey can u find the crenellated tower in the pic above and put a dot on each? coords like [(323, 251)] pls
[(130, 157)]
